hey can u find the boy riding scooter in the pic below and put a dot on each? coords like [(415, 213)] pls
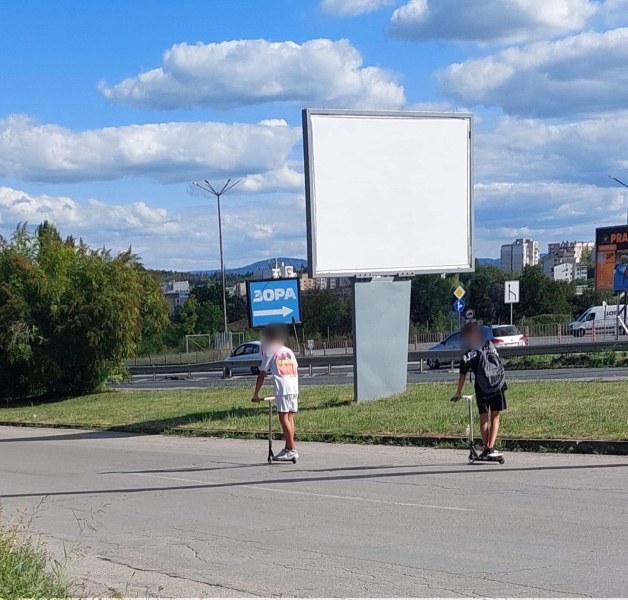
[(281, 362), (482, 359)]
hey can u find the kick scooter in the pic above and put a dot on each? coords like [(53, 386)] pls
[(474, 455), (271, 455)]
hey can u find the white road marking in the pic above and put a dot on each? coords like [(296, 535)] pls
[(313, 494)]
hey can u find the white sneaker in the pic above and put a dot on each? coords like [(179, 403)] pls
[(281, 453), (292, 455), (287, 456), (492, 453)]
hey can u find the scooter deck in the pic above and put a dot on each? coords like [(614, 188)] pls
[(274, 460), (475, 457)]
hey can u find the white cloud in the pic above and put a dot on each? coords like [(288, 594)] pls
[(353, 7), (585, 73), (584, 151), (545, 211), (169, 152), (245, 72), (285, 178), (80, 217), (489, 21), (187, 239)]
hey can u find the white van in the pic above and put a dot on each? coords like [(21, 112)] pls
[(603, 318)]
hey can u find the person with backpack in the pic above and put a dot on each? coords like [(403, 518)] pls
[(481, 358)]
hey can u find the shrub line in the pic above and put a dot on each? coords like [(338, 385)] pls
[(616, 447)]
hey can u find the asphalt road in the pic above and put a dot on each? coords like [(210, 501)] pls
[(340, 375), (184, 517)]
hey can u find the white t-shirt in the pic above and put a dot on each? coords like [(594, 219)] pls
[(282, 363)]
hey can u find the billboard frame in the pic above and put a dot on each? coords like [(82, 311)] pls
[(600, 246), (310, 191)]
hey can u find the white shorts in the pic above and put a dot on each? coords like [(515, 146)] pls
[(287, 403)]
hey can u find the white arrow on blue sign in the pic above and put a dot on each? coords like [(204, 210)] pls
[(458, 306), (274, 301)]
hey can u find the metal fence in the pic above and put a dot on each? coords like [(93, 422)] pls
[(554, 333), (329, 361)]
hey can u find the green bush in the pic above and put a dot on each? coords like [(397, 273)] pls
[(70, 316), (549, 319)]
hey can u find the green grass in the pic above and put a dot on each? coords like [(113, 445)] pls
[(553, 410), (26, 571), (609, 358)]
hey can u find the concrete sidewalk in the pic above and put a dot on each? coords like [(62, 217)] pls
[(172, 516)]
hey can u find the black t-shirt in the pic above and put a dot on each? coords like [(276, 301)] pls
[(470, 361)]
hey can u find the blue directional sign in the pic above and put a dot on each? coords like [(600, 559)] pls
[(458, 306), (274, 301), (620, 281)]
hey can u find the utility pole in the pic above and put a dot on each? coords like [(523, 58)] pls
[(211, 190)]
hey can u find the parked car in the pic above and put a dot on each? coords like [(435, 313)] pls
[(502, 336), (246, 352), (452, 342), (603, 318), (506, 336)]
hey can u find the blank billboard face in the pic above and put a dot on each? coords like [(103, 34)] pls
[(388, 193)]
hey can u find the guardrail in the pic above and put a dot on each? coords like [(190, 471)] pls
[(335, 360)]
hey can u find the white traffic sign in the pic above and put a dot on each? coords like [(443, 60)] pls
[(511, 292), (459, 292)]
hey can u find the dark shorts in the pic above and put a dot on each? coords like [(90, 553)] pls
[(492, 403)]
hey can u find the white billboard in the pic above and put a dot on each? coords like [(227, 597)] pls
[(388, 193)]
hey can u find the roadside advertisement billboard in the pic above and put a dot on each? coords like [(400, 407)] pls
[(611, 258), (388, 193)]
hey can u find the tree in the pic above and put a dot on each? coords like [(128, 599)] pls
[(541, 295), (71, 316), (324, 311), (485, 294), (430, 299)]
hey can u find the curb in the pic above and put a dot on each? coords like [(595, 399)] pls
[(617, 447)]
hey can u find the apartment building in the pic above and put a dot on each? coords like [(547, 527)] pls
[(176, 293), (521, 253)]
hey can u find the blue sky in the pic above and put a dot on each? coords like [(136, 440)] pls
[(108, 110)]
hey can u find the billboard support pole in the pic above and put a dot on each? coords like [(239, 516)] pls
[(381, 319)]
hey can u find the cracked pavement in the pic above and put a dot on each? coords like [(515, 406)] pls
[(172, 516)]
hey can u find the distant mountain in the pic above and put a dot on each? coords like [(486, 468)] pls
[(489, 262), (297, 263)]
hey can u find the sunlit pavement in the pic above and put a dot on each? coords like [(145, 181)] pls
[(174, 516)]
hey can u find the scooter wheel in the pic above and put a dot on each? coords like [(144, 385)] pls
[(270, 460), (294, 461), (501, 461)]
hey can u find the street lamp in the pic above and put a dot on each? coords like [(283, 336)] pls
[(210, 190), (620, 182)]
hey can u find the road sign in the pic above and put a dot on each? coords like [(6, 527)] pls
[(469, 314), (459, 292), (458, 306), (273, 301), (511, 292)]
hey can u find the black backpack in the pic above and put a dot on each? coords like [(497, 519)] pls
[(490, 376)]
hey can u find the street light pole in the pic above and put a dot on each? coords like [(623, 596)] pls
[(620, 182), (211, 190)]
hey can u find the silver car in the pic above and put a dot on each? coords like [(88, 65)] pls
[(502, 336), (246, 352)]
